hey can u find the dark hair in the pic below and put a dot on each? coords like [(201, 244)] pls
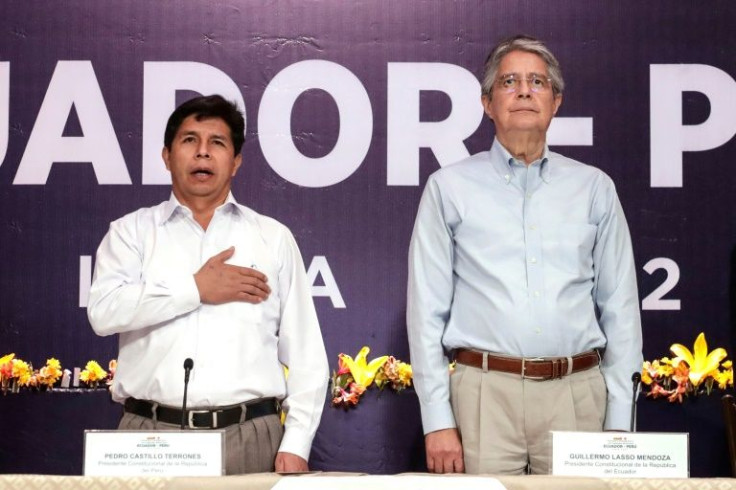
[(208, 107)]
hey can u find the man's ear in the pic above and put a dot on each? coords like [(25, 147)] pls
[(485, 99), (237, 162), (558, 103), (165, 156)]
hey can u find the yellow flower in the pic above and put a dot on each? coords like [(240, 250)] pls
[(50, 373), (724, 378), (663, 367), (92, 373), (646, 377), (53, 368), (6, 358), (22, 371), (363, 372), (700, 361), (405, 373)]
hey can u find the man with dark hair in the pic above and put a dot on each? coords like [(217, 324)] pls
[(200, 276), (212, 107), (521, 266)]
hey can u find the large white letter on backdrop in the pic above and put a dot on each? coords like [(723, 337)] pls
[(406, 134), (4, 107), (669, 137), (320, 267), (274, 123), (161, 80), (73, 84)]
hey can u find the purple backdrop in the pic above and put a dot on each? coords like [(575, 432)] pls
[(649, 95)]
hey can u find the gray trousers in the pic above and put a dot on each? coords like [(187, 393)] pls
[(250, 447)]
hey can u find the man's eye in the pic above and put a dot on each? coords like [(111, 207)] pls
[(539, 82), (187, 139), (218, 142), (509, 82)]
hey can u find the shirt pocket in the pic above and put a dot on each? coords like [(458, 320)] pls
[(569, 247), (258, 315)]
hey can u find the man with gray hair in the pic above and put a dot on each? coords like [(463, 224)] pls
[(521, 267)]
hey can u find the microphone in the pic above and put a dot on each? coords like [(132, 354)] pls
[(188, 365), (636, 380)]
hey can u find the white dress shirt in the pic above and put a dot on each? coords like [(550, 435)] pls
[(525, 261), (144, 289)]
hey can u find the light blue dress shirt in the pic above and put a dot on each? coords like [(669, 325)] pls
[(525, 261)]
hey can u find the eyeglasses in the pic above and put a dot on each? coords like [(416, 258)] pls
[(537, 83)]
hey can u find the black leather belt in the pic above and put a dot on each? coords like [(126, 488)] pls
[(215, 418), (530, 368)]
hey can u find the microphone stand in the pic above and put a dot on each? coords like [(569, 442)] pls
[(188, 365), (636, 380)]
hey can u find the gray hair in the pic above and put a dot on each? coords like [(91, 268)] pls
[(521, 43)]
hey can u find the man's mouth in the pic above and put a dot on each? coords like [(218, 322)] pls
[(202, 173)]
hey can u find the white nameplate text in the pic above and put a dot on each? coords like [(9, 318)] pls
[(154, 453), (620, 454)]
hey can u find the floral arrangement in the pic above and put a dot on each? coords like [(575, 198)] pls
[(16, 374), (354, 376), (93, 374), (688, 373)]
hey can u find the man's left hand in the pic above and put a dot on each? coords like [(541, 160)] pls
[(290, 463)]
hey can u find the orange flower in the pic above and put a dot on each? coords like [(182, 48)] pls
[(342, 368), (6, 367), (676, 394), (658, 391), (346, 398)]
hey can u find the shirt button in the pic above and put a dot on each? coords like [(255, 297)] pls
[(528, 194), (536, 294), (533, 227), (538, 330), (507, 177), (533, 260)]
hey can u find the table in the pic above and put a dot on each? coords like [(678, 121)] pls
[(265, 481)]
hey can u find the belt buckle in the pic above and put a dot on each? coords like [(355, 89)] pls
[(190, 418), (524, 360)]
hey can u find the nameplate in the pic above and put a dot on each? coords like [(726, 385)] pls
[(154, 453), (620, 454)]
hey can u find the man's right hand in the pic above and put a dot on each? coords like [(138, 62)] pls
[(219, 282), (444, 452)]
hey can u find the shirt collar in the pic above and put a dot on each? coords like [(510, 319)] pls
[(503, 161), (173, 206)]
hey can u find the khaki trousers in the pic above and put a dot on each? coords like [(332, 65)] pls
[(504, 420), (250, 447)]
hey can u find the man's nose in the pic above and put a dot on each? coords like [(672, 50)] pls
[(203, 150), (524, 89)]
